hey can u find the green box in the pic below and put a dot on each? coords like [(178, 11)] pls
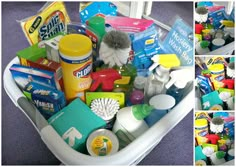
[(211, 99), (74, 123), (32, 53)]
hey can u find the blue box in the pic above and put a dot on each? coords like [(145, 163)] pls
[(47, 100)]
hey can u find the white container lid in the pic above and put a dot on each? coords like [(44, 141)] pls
[(218, 42), (162, 102), (104, 141)]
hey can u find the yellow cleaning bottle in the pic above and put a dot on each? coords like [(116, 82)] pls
[(156, 81)]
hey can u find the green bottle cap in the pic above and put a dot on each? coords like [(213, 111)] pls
[(98, 24), (220, 154), (140, 111), (204, 44)]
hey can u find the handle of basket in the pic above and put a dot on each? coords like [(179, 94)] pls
[(32, 113)]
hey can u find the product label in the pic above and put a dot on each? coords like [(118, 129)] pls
[(179, 41), (72, 134), (101, 145), (54, 24), (84, 71)]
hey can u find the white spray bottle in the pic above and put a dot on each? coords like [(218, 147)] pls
[(156, 81), (179, 79)]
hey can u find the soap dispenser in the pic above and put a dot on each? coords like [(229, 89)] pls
[(130, 121), (156, 81), (179, 79)]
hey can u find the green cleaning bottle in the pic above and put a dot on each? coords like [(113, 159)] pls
[(129, 120)]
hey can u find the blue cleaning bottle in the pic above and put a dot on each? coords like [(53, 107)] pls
[(177, 84)]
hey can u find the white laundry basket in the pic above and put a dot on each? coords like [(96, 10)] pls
[(225, 50), (130, 155)]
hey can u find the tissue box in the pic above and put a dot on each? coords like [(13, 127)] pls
[(74, 123), (211, 99)]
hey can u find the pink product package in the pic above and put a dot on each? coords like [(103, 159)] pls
[(126, 24), (214, 8)]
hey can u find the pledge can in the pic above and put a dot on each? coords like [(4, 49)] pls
[(76, 61)]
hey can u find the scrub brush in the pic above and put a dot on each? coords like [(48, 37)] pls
[(115, 48), (106, 108)]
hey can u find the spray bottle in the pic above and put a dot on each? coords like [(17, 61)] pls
[(179, 79), (129, 122), (156, 81)]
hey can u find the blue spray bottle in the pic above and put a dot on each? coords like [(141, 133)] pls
[(176, 86)]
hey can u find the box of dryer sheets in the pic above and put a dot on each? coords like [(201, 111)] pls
[(47, 100), (23, 75), (49, 65)]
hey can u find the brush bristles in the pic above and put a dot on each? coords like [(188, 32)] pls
[(117, 39), (105, 108)]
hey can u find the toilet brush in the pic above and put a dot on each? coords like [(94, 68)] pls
[(115, 48)]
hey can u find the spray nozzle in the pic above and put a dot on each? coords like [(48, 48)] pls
[(180, 78), (140, 111), (165, 60)]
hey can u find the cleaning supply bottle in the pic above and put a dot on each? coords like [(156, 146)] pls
[(156, 81), (202, 47), (129, 122), (176, 86)]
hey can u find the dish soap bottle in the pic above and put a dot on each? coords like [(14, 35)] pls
[(179, 79), (129, 122)]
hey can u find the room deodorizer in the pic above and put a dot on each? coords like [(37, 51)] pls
[(119, 96), (179, 41), (31, 54), (127, 24), (48, 22), (79, 28), (74, 123), (23, 75), (52, 48), (103, 9), (47, 100), (211, 99)]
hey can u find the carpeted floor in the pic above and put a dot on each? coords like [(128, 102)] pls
[(22, 145)]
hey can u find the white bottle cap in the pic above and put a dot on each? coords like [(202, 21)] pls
[(139, 82), (162, 102), (180, 84)]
